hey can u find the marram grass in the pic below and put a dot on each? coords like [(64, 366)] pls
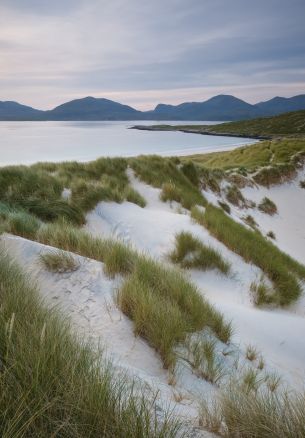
[(53, 384)]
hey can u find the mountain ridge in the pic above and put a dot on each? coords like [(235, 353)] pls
[(222, 107)]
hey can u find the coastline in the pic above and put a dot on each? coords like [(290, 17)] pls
[(195, 131)]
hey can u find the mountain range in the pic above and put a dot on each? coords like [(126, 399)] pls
[(221, 108)]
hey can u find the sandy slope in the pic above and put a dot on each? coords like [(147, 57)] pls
[(88, 296), (152, 230)]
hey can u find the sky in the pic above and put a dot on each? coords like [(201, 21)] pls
[(143, 52)]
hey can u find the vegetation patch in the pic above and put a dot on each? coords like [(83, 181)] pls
[(272, 175), (251, 353), (59, 261), (210, 178), (225, 206), (282, 270), (287, 124), (53, 384), (285, 151), (249, 220), (157, 299), (190, 252), (234, 196), (177, 184), (302, 184), (204, 359), (259, 413), (267, 206), (271, 234), (38, 189), (21, 223), (239, 180), (165, 308), (261, 293)]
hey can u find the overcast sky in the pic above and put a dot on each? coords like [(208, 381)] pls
[(142, 52)]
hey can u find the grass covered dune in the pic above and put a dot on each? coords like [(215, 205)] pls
[(52, 383)]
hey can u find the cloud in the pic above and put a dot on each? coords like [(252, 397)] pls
[(52, 51)]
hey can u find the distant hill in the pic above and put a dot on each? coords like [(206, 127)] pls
[(222, 107), (15, 111), (279, 105), (90, 108), (218, 108)]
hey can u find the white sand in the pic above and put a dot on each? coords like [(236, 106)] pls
[(152, 229), (87, 295)]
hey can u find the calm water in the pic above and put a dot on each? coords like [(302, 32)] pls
[(29, 142)]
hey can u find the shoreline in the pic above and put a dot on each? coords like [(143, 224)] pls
[(195, 131)]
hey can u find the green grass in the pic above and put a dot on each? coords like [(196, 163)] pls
[(158, 300), (20, 222), (133, 196), (117, 257), (177, 184), (59, 261), (259, 414), (291, 123), (225, 206), (264, 153), (165, 308), (203, 358), (282, 270), (53, 384), (190, 252), (38, 189)]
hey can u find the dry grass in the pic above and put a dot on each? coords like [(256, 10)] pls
[(234, 196), (59, 261), (267, 206), (251, 353)]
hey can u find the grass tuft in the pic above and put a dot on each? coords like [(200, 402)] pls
[(165, 308), (59, 261), (22, 224), (262, 414), (234, 196), (251, 353), (190, 252), (249, 220), (267, 206), (203, 357), (271, 234), (170, 192)]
